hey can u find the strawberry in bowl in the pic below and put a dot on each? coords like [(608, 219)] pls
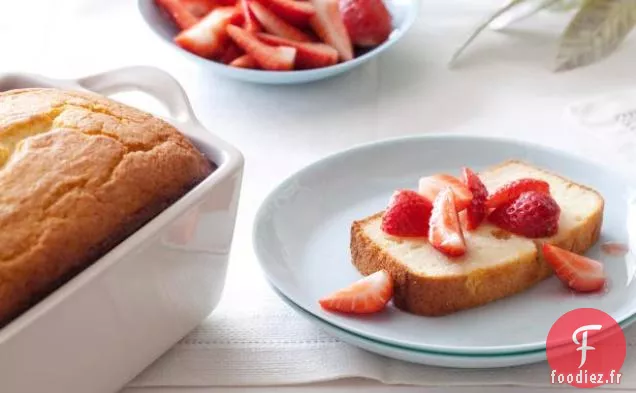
[(279, 41)]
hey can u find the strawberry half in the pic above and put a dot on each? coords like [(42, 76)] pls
[(533, 214), (512, 190), (269, 58), (445, 232), (476, 210), (208, 37), (245, 61), (430, 186), (408, 215), (308, 55), (328, 24), (293, 11), (576, 271), (368, 295), (368, 21), (179, 14), (272, 23)]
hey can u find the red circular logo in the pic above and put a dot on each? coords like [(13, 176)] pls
[(585, 348)]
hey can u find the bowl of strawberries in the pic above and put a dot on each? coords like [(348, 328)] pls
[(280, 41)]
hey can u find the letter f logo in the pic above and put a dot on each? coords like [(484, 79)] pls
[(584, 347)]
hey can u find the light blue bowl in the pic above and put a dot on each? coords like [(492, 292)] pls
[(404, 13)]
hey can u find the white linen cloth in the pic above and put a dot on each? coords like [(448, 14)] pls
[(262, 341), (266, 343), (505, 89), (610, 116)]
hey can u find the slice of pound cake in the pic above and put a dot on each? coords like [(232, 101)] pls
[(496, 263)]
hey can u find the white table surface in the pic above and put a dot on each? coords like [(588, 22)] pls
[(504, 86)]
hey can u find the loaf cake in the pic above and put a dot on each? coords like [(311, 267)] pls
[(78, 174), (497, 263)]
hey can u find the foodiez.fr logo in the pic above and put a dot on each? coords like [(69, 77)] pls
[(585, 348)]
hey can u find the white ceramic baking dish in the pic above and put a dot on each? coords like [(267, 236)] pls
[(107, 324)]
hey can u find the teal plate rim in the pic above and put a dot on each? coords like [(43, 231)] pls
[(624, 324)]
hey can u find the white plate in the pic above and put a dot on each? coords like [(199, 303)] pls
[(301, 236), (403, 12), (420, 356)]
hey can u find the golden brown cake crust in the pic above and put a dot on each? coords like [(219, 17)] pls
[(78, 173), (441, 295)]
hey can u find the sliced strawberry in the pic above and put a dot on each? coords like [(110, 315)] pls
[(251, 24), (430, 186), (308, 55), (533, 214), (512, 190), (367, 295), (296, 12), (208, 37), (445, 232), (272, 23), (230, 53), (368, 21), (576, 271), (269, 58), (245, 61), (328, 24), (408, 214), (200, 8), (179, 14), (476, 210)]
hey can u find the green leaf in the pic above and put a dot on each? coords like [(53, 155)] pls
[(524, 10), (484, 25), (566, 5), (595, 32)]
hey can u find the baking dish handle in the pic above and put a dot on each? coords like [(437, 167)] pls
[(150, 80)]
